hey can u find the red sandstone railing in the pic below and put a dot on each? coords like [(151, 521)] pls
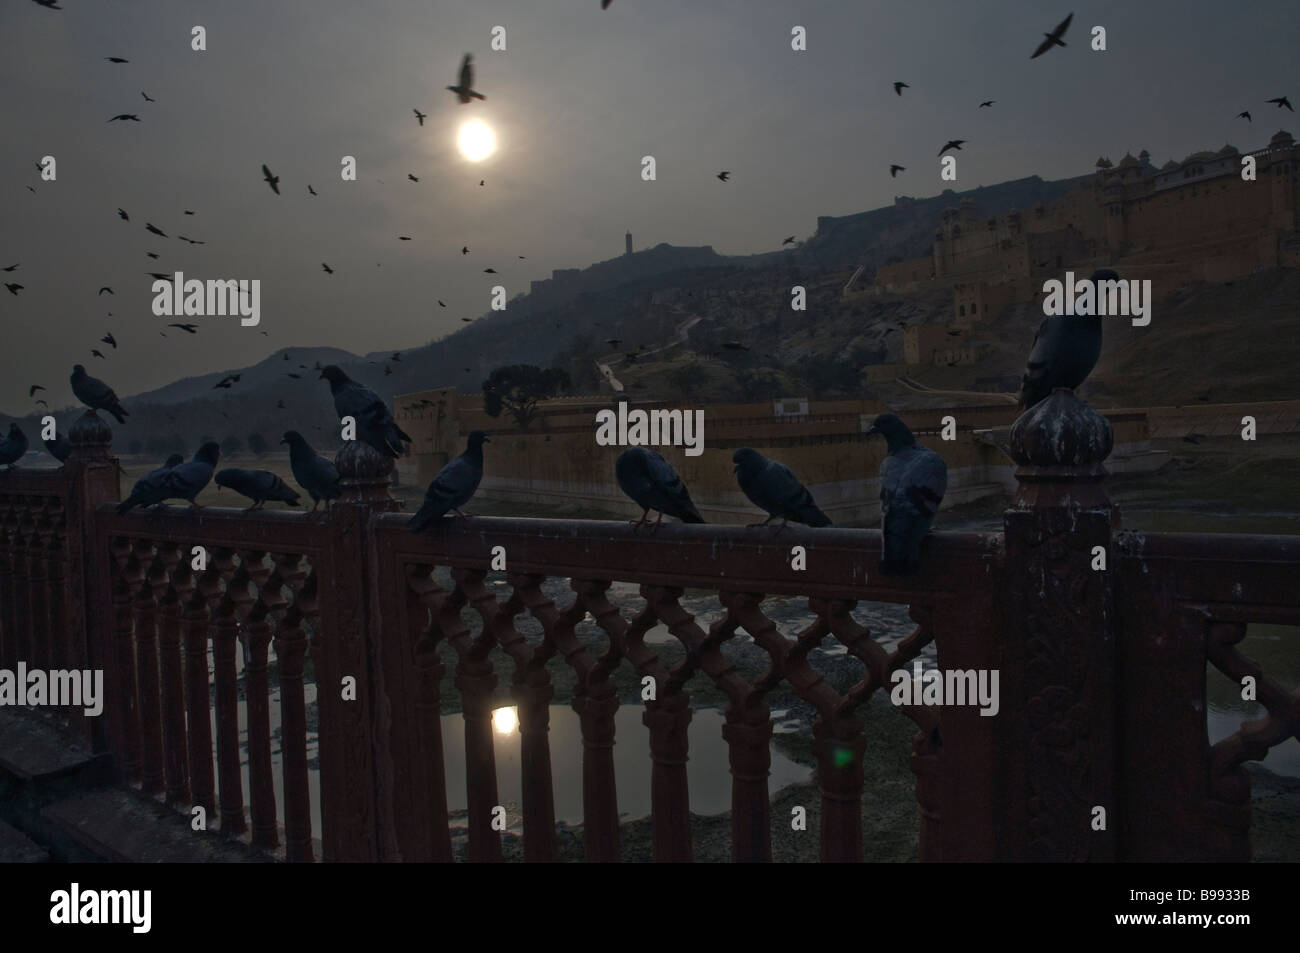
[(1103, 696)]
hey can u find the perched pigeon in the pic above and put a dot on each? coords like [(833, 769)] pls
[(375, 425), (653, 484), (149, 489), (13, 446), (59, 448), (258, 485), (187, 480), (95, 394), (314, 473), (775, 490), (912, 483), (1065, 351), (453, 486)]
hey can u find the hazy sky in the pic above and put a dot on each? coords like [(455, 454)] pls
[(576, 99)]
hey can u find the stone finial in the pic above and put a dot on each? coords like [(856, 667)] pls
[(364, 474), (91, 438), (1061, 431)]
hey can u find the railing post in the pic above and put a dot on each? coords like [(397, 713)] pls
[(88, 597), (351, 799), (1057, 724)]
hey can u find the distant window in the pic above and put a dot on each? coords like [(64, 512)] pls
[(961, 310), (974, 308)]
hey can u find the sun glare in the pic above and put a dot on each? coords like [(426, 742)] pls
[(476, 140), (505, 720)]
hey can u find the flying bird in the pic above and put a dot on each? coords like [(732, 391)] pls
[(895, 169), (314, 473), (48, 4), (788, 241), (913, 480), (952, 144), (464, 250), (190, 328), (464, 91), (489, 271), (125, 116), (441, 304), (987, 102), (411, 177), (724, 176), (105, 288), (151, 254), (258, 485), (773, 488), (159, 276), (453, 486), (375, 424), (121, 213), (653, 484), (899, 87), (13, 446), (328, 270), (272, 180), (109, 339), (224, 384), (188, 212), (147, 97), (13, 287), (116, 59), (98, 354), (403, 238), (192, 241), (419, 116), (1064, 352), (95, 394), (33, 389), (11, 267), (149, 227), (1054, 38), (1281, 102), (1245, 114), (310, 189)]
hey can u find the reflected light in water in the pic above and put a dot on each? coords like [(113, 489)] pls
[(505, 720)]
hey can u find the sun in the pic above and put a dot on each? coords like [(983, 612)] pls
[(476, 140)]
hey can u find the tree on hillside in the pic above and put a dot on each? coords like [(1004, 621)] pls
[(257, 443), (517, 389)]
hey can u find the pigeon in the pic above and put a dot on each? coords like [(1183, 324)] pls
[(187, 480), (105, 288), (190, 328), (489, 271), (13, 446), (441, 303), (48, 4), (188, 212), (121, 213), (152, 254), (13, 287), (95, 394), (403, 238), (109, 339), (59, 448), (98, 354), (11, 267), (464, 250), (124, 116), (272, 180), (987, 103), (775, 490), (258, 485), (1065, 350), (653, 484), (33, 389), (1282, 102), (1054, 38), (463, 91), (1245, 115), (147, 97), (375, 425), (952, 144), (913, 480), (899, 87), (724, 176), (419, 116), (788, 241), (327, 268), (192, 241), (149, 488), (453, 486), (155, 229), (310, 189), (895, 169), (411, 177), (314, 473), (116, 59)]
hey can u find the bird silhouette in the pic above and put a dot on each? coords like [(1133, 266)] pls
[(11, 267), (188, 212), (464, 90), (328, 269), (191, 241), (987, 102), (148, 227), (33, 389), (1245, 115), (159, 276), (310, 189), (952, 144), (788, 241), (441, 304), (1282, 102), (103, 289), (109, 339), (151, 254), (190, 328), (419, 116), (895, 169), (1054, 38), (123, 216), (48, 4), (125, 116), (97, 354), (147, 97), (899, 87), (95, 394), (489, 271), (724, 176), (411, 177), (272, 180), (464, 250), (14, 287), (116, 59)]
